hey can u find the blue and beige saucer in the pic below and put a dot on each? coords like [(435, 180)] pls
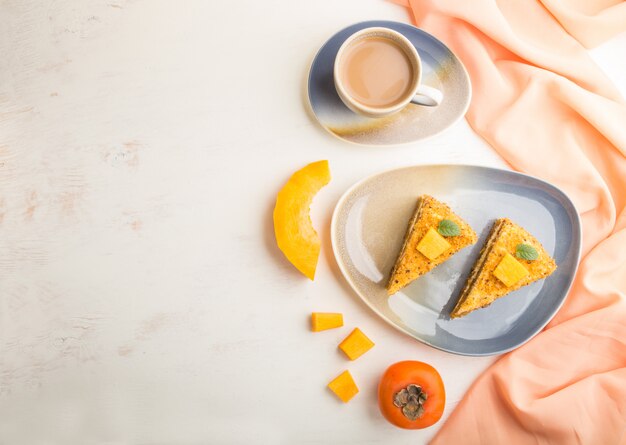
[(441, 69)]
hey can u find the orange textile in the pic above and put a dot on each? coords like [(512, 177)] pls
[(542, 103)]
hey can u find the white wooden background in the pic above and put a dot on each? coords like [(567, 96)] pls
[(142, 297)]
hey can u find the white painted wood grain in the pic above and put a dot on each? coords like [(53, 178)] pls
[(142, 298)]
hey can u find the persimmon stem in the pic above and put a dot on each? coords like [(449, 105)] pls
[(411, 401)]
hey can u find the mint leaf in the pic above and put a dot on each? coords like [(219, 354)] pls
[(526, 252), (448, 228)]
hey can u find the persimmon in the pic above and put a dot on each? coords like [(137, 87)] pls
[(411, 395)]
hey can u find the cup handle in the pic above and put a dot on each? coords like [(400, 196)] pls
[(427, 96)]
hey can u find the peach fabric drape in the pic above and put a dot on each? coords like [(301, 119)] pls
[(546, 108)]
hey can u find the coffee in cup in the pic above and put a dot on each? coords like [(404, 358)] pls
[(378, 72)]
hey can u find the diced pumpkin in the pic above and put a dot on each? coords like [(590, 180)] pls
[(510, 271), (356, 344), (432, 244), (320, 321), (295, 234), (344, 387)]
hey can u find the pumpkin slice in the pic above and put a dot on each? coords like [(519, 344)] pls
[(344, 387), (295, 234), (356, 344), (322, 321)]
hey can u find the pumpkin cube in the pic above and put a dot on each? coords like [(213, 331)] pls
[(320, 321), (356, 344), (344, 387), (432, 244), (510, 271)]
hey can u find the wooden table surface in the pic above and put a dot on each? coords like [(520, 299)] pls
[(142, 297)]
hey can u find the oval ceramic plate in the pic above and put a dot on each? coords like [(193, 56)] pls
[(440, 69), (368, 229)]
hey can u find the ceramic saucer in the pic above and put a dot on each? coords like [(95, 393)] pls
[(441, 69)]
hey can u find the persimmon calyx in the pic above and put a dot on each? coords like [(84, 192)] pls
[(411, 401)]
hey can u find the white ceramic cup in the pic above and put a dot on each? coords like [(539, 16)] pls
[(417, 94)]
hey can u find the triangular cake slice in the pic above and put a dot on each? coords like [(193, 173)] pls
[(504, 264), (427, 244)]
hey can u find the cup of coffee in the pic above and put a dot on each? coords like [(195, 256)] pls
[(378, 72)]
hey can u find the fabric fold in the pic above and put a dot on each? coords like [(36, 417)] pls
[(542, 103)]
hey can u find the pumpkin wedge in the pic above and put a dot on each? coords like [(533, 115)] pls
[(295, 234)]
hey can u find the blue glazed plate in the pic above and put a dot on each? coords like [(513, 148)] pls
[(440, 69), (368, 228)]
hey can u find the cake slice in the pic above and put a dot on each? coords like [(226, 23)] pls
[(511, 258), (433, 235)]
